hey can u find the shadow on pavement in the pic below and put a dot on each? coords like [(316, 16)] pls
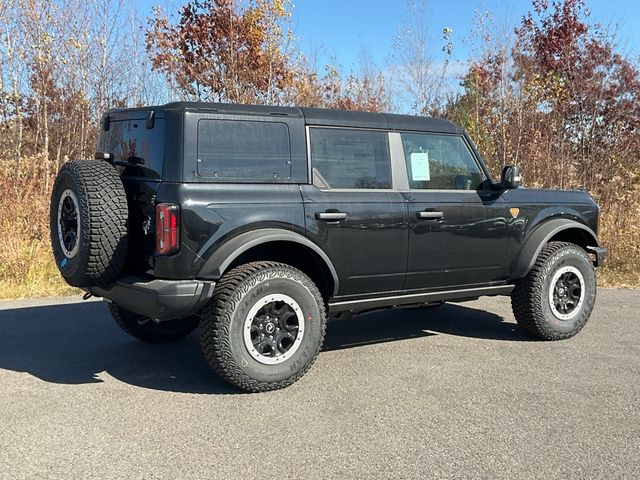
[(406, 323), (75, 343)]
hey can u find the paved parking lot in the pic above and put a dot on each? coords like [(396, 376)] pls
[(456, 392)]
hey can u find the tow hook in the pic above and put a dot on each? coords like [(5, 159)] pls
[(87, 296)]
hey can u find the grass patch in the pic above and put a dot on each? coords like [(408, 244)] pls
[(27, 268), (28, 271)]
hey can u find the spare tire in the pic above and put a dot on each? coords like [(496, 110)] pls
[(88, 219)]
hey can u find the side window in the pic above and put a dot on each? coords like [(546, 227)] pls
[(343, 158), (440, 162), (244, 151)]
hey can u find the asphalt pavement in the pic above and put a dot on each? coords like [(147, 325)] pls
[(455, 392)]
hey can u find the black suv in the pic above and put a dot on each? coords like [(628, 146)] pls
[(255, 222)]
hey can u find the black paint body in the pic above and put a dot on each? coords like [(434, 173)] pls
[(381, 249)]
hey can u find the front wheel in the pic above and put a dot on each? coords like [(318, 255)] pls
[(264, 326), (554, 301)]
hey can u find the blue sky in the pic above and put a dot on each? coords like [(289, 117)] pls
[(340, 29)]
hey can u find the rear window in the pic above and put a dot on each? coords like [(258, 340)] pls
[(244, 151), (127, 139)]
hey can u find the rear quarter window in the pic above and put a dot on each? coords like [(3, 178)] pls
[(244, 151)]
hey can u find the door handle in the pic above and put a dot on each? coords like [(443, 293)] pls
[(330, 216), (429, 215)]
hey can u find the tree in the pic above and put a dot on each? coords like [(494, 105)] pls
[(364, 89), (219, 51), (586, 96), (565, 104), (420, 71)]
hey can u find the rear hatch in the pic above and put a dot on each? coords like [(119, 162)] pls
[(136, 146)]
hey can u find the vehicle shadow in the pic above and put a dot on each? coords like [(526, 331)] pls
[(406, 323), (79, 343)]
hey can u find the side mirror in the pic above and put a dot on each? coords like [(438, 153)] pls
[(510, 178)]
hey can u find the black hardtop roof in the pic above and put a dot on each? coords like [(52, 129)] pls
[(387, 121), (316, 116)]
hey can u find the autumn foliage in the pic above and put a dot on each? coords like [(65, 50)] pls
[(218, 52), (553, 93), (564, 105)]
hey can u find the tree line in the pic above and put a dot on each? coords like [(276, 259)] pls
[(554, 92)]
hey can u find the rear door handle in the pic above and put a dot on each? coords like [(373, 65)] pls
[(330, 216), (430, 215)]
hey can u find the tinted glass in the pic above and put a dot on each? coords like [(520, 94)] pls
[(244, 151), (127, 139), (440, 162), (351, 158)]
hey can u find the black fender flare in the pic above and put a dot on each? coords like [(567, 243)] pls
[(226, 253), (539, 238)]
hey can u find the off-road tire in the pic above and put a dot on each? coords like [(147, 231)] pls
[(147, 330), (530, 298), (223, 320), (103, 217)]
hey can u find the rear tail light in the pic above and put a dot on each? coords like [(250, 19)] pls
[(167, 228)]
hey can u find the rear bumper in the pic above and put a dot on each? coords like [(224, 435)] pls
[(600, 254), (159, 299)]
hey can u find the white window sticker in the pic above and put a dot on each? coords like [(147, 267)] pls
[(420, 167)]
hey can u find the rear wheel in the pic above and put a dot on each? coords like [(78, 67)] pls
[(264, 327), (147, 330), (554, 301)]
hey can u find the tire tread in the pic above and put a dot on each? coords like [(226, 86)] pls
[(528, 292), (102, 195), (216, 323)]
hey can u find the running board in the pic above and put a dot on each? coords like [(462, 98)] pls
[(417, 298)]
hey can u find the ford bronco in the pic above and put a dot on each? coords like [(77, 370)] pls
[(255, 223)]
